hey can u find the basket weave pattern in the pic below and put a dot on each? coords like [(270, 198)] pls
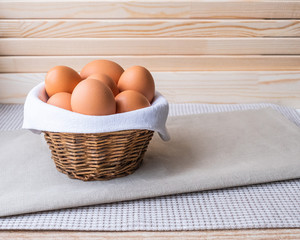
[(98, 156)]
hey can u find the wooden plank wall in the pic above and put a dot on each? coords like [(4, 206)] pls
[(220, 51)]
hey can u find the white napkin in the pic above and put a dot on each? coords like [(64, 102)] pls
[(206, 151), (40, 116)]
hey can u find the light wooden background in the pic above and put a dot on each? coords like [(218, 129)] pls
[(221, 51)]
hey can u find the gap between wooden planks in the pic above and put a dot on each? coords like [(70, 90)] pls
[(194, 87), (93, 28), (251, 234), (15, 64), (150, 9), (147, 46)]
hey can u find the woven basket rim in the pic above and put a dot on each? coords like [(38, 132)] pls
[(120, 131)]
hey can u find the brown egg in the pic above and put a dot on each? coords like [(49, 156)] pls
[(139, 79), (109, 68), (108, 81), (92, 97), (61, 99), (43, 96), (130, 100), (61, 79)]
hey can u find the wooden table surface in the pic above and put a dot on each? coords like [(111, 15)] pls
[(262, 234)]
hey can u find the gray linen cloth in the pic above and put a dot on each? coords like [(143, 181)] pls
[(207, 151)]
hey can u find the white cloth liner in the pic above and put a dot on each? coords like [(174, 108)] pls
[(39, 116)]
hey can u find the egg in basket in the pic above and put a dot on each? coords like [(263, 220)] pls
[(98, 123)]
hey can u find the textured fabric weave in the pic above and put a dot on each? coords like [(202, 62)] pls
[(271, 205)]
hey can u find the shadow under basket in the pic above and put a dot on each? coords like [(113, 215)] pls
[(98, 156)]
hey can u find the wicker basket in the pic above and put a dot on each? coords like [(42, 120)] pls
[(98, 156)]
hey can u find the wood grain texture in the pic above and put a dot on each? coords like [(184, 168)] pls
[(147, 46), (251, 234), (195, 87), (62, 28), (14, 87), (150, 9), (25, 64)]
